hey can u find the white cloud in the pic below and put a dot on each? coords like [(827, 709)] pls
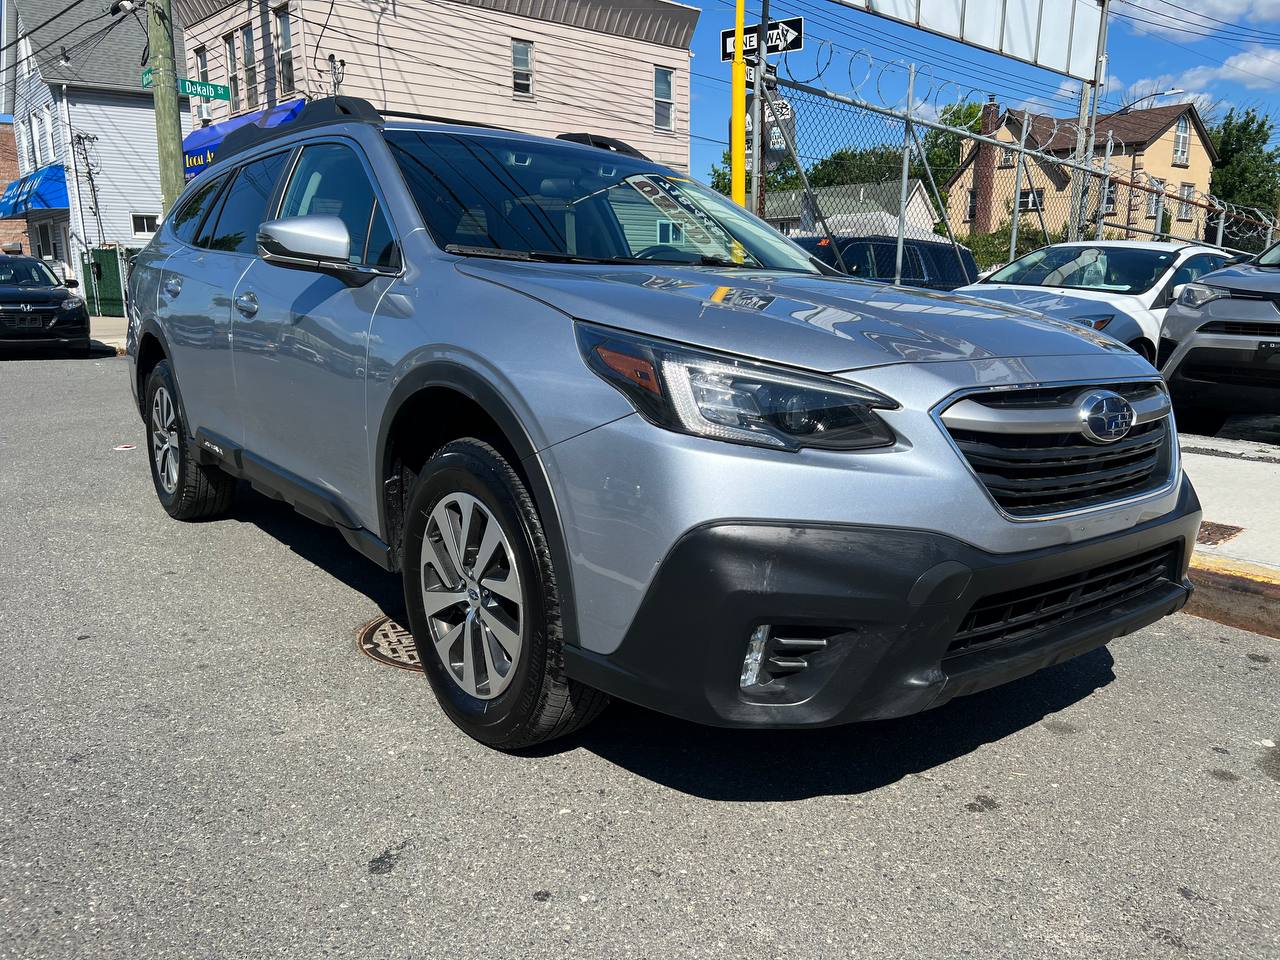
[(1169, 20)]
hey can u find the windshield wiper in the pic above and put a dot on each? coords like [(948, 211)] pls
[(545, 256)]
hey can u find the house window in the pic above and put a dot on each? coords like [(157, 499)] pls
[(1186, 194), (1109, 197), (233, 68), (44, 242), (1006, 157), (202, 74), (664, 106), (144, 224), (37, 140), (249, 54), (284, 44), (1155, 199), (1182, 141), (971, 211), (522, 68), (670, 233), (27, 62), (1030, 200), (48, 133)]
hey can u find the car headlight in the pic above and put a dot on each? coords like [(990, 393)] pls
[(727, 398), (71, 303), (1196, 295), (1098, 323)]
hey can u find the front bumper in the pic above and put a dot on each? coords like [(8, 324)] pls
[(890, 603), (64, 330), (1232, 372)]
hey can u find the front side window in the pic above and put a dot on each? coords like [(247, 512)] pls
[(329, 180), (245, 206), (522, 68), (1087, 267), (249, 51), (1182, 141), (187, 219), (1196, 266), (233, 70), (284, 44), (1155, 199), (664, 106), (533, 200)]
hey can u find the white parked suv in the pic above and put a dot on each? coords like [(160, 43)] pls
[(1111, 285)]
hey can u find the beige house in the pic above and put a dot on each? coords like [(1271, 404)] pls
[(1161, 164), (620, 70)]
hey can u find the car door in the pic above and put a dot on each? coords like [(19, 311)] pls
[(195, 296), (301, 335)]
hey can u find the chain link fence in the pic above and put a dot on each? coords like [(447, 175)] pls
[(936, 195)]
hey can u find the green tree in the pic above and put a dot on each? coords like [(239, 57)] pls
[(1247, 172), (785, 177), (945, 151)]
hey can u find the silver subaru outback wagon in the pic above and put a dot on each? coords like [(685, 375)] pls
[(620, 438)]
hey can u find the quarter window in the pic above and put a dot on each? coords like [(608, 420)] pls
[(330, 180), (245, 206), (186, 221), (522, 68), (284, 44), (1182, 140), (664, 107)]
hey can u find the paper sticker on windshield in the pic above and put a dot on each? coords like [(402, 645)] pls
[(669, 198)]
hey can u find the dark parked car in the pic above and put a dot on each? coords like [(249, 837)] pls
[(925, 263), (37, 309)]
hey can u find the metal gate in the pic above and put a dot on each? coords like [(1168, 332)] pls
[(103, 269)]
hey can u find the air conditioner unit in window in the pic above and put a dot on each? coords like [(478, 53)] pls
[(203, 112)]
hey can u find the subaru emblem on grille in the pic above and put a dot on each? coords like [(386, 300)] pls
[(1105, 417)]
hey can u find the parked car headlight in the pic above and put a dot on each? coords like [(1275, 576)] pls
[(726, 398), (1196, 295), (72, 303)]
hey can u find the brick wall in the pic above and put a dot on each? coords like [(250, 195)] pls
[(11, 231)]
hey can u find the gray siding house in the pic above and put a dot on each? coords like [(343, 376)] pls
[(546, 67), (85, 131)]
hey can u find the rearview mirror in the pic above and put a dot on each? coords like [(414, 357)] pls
[(305, 243)]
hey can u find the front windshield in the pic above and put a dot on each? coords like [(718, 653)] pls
[(1084, 267), (26, 273), (494, 195)]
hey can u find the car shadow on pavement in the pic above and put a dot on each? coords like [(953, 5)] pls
[(97, 351), (761, 766), (322, 546)]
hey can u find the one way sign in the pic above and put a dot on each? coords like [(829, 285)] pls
[(785, 36)]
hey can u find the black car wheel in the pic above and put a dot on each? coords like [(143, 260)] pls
[(188, 490)]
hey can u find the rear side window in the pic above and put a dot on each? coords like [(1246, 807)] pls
[(187, 220), (329, 180), (245, 206)]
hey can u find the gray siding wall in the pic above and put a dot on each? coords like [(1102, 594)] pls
[(31, 95)]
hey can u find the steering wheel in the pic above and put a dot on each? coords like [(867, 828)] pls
[(664, 251)]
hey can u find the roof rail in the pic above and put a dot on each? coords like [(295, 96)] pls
[(432, 118), (603, 143), (314, 114)]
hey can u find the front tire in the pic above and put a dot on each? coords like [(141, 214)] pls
[(480, 590), (187, 490)]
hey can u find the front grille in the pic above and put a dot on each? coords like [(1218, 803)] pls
[(1036, 474), (1235, 375), (1236, 328), (1018, 614), (35, 319)]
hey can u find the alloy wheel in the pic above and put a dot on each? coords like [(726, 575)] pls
[(164, 439), (471, 595)]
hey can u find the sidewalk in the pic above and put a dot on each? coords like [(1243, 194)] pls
[(1236, 566), (109, 331)]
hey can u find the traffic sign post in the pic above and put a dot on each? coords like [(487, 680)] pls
[(148, 77), (785, 36)]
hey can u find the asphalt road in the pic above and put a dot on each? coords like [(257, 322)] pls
[(197, 762)]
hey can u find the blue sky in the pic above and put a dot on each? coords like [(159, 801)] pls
[(1225, 53)]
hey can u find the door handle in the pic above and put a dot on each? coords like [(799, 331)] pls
[(247, 304), (173, 286)]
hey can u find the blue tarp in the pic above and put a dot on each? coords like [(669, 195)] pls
[(200, 145), (43, 189)]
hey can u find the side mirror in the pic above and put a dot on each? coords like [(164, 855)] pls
[(1176, 291), (305, 243), (71, 283)]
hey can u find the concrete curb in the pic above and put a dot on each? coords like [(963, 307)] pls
[(1236, 593)]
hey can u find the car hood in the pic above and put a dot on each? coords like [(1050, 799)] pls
[(820, 323), (1245, 276), (1049, 300), (10, 294)]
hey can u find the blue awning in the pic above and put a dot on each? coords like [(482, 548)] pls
[(43, 189), (200, 145)]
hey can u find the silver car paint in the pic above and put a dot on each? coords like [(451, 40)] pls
[(1182, 322), (625, 490)]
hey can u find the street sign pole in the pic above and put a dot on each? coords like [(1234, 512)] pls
[(757, 113), (737, 112)]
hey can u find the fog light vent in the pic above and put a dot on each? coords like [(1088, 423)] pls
[(778, 651)]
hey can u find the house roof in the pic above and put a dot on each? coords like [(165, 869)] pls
[(664, 22), (113, 59), (1134, 129), (842, 198)]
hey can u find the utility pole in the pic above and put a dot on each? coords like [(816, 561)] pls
[(165, 94)]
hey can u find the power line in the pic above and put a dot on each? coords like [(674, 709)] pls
[(43, 23), (1184, 11)]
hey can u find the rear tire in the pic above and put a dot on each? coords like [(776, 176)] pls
[(492, 644), (1204, 423), (187, 490)]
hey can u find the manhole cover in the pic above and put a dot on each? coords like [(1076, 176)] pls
[(389, 643), (1212, 534)]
